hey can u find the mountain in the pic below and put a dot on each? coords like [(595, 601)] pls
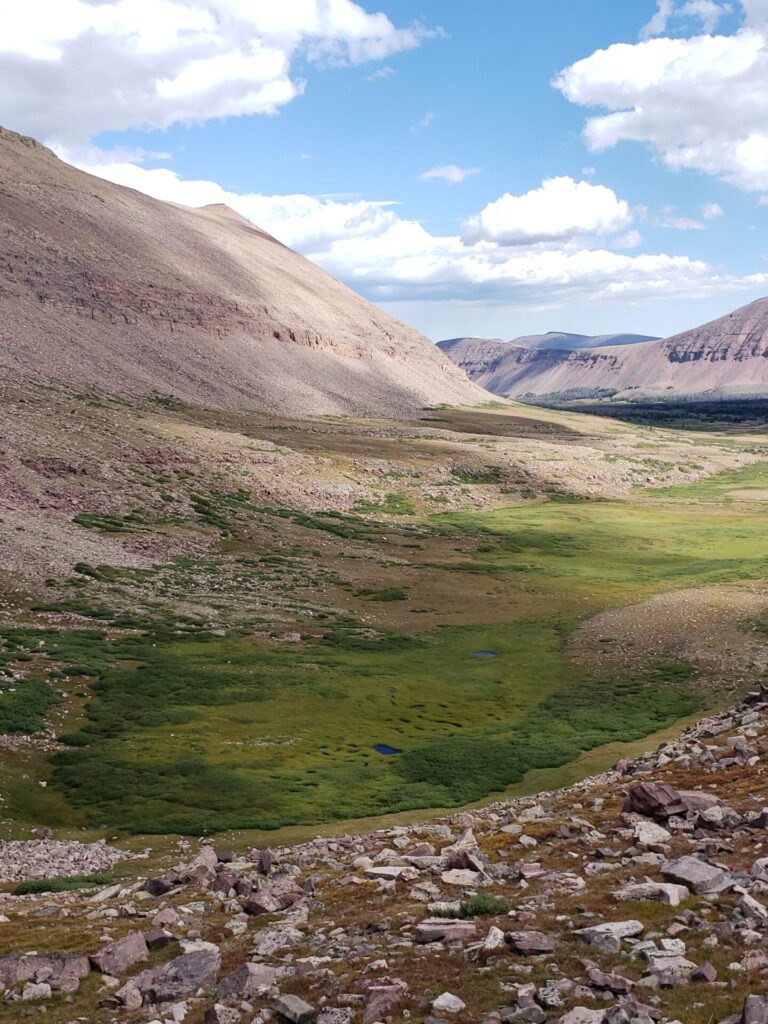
[(726, 356), (107, 288), (571, 342)]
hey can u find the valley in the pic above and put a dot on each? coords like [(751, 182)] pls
[(230, 655)]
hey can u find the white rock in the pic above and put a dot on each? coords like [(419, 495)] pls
[(648, 833), (448, 1003)]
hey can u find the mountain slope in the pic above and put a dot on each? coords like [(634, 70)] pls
[(107, 287), (728, 355)]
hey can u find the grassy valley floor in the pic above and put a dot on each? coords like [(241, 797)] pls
[(424, 646)]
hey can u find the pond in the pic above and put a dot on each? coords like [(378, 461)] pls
[(384, 748)]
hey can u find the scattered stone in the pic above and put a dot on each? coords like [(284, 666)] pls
[(663, 892), (447, 1003), (293, 1009), (531, 943), (383, 1000)]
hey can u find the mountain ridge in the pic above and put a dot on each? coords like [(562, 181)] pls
[(729, 354), (108, 288)]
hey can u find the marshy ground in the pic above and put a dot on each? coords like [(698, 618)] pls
[(237, 611)]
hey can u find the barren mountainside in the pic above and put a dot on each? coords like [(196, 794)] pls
[(103, 286), (728, 355)]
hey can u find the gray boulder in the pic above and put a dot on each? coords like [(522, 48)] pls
[(697, 875), (246, 981), (185, 975), (294, 1009)]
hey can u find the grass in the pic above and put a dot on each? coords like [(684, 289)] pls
[(192, 732), (199, 735), (68, 884), (483, 905), (393, 505)]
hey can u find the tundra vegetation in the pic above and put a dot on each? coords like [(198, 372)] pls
[(247, 685)]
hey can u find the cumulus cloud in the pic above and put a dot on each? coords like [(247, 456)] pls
[(74, 68), (391, 259), (449, 173), (559, 210), (698, 101)]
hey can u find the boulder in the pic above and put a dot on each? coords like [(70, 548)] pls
[(654, 800), (158, 886), (293, 1009), (662, 892), (648, 833), (531, 943), (697, 875), (615, 983), (705, 973), (384, 999), (262, 903), (618, 929), (677, 965), (119, 956), (246, 981), (755, 1010), (63, 972), (185, 975), (464, 877), (442, 929), (156, 938), (582, 1015), (448, 1003), (36, 990)]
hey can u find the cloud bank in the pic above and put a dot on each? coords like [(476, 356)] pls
[(699, 102)]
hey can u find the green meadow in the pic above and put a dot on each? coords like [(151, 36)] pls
[(186, 731)]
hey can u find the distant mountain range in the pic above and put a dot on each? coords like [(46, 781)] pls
[(728, 356), (562, 340), (103, 286)]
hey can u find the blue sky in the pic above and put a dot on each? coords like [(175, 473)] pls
[(324, 128)]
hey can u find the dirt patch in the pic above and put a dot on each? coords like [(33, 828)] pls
[(748, 494), (703, 625)]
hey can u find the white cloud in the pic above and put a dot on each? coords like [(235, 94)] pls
[(390, 259), (70, 69), (699, 102), (660, 19), (711, 211), (707, 13), (449, 173), (559, 210)]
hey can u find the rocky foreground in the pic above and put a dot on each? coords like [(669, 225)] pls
[(637, 896)]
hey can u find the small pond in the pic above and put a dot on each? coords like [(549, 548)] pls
[(384, 748)]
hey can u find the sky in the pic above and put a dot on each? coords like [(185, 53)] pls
[(494, 168)]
